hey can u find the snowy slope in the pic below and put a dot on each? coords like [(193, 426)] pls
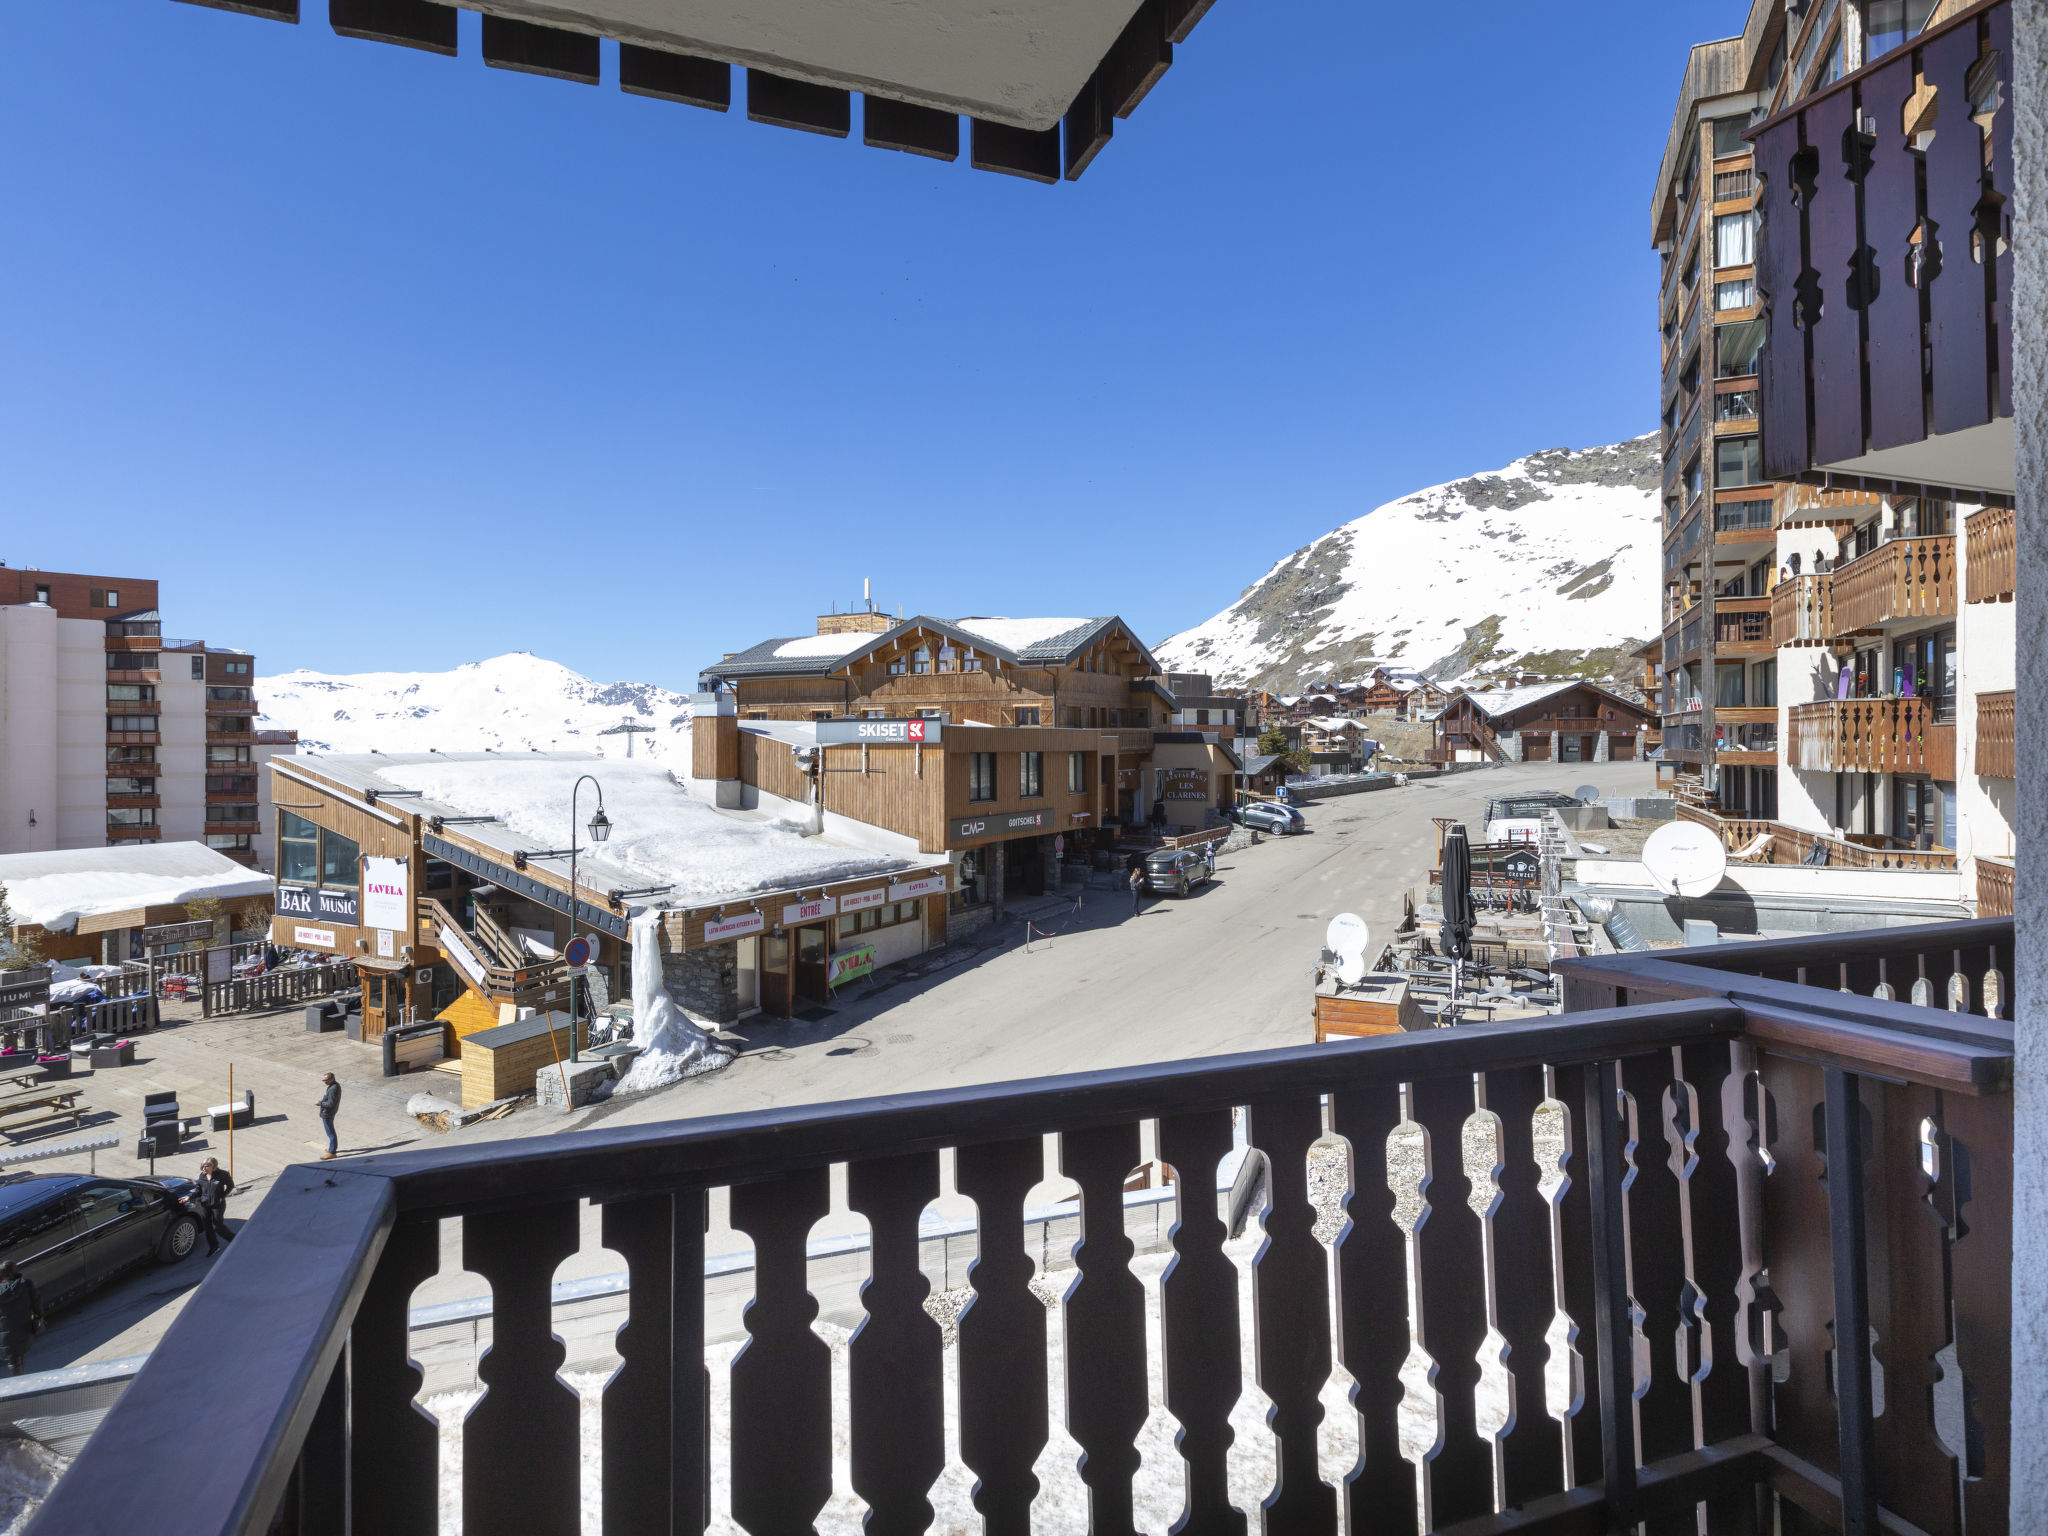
[(1549, 564), (513, 701)]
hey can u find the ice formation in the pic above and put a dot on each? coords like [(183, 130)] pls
[(672, 1045)]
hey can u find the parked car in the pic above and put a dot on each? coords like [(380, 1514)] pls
[(71, 1232), (1178, 870), (1519, 818), (1269, 817)]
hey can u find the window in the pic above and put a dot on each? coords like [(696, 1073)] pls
[(311, 855), (1738, 461), (1888, 23), (821, 714), (1763, 685), (981, 776), (227, 696), (231, 813), (1728, 685), (131, 722), (131, 786), (1077, 773), (340, 860), (131, 661), (1692, 481), (42, 593), (1733, 242), (228, 840), (131, 816), (874, 714), (757, 714), (889, 915), (1728, 136), (1074, 719), (898, 667), (198, 669), (130, 693), (227, 754), (238, 669), (1737, 405), (1027, 717), (132, 755), (1739, 294), (230, 784), (1030, 775), (921, 660)]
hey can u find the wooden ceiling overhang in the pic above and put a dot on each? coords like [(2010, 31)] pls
[(1041, 83)]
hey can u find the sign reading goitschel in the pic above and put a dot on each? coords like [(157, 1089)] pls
[(877, 733), (1003, 824)]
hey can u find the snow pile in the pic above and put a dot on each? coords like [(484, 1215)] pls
[(516, 701), (672, 1045), (660, 836), (56, 889), (1018, 634), (816, 646), (1550, 563)]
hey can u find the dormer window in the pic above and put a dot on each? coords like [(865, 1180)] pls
[(921, 660), (949, 659)]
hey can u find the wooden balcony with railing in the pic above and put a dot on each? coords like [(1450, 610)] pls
[(1996, 886), (1991, 553), (1900, 580), (490, 957), (1780, 1059), (1883, 735), (1751, 841), (1742, 626), (1997, 755), (1803, 610)]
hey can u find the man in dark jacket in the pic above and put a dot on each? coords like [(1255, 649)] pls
[(330, 1102), (210, 1203), (21, 1317)]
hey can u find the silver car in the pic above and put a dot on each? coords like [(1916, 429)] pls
[(1177, 871)]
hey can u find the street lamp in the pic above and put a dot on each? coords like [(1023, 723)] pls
[(600, 831)]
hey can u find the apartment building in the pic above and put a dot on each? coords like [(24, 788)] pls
[(1837, 649), (113, 733)]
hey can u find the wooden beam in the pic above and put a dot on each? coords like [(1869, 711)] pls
[(678, 77), (408, 23), (1089, 126), (799, 104), (532, 49), (889, 124), (1015, 151), (1139, 57), (273, 10)]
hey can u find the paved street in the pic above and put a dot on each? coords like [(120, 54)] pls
[(1227, 969)]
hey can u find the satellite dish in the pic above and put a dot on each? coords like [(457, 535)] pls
[(1685, 859), (1586, 794), (1348, 935)]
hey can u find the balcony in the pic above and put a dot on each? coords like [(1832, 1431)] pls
[(133, 802), (1886, 735), (1733, 186), (1773, 842), (1991, 550), (1742, 626), (1803, 610), (227, 738), (1741, 1266), (1997, 754), (1750, 521), (1933, 379), (1901, 581), (230, 707), (1680, 550), (133, 675), (133, 739), (1995, 886)]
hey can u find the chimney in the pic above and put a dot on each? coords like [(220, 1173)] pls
[(715, 746)]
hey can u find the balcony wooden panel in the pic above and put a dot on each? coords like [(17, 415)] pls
[(1900, 581), (133, 738), (1992, 555), (1803, 610), (133, 675), (1996, 886), (142, 802), (1887, 735), (1742, 626), (1796, 846), (1997, 735), (1808, 506)]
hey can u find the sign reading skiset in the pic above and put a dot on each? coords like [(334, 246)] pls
[(385, 893), (877, 733)]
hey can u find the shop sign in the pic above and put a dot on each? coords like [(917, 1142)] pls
[(28, 988), (851, 965), (1521, 866), (384, 943), (1003, 824), (313, 938), (860, 901), (877, 733), (734, 927), (327, 906), (175, 933), (386, 887), (1184, 783), (906, 890), (808, 911)]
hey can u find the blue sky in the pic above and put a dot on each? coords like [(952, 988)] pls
[(382, 360)]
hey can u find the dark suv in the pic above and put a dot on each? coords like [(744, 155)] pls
[(1178, 870), (73, 1232)]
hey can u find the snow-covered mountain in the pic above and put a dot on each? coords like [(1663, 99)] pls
[(1549, 565), (509, 702)]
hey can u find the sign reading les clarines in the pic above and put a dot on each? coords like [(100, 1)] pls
[(322, 905), (878, 733)]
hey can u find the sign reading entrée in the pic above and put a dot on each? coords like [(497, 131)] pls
[(877, 733), (324, 906), (1003, 824), (808, 911), (851, 965)]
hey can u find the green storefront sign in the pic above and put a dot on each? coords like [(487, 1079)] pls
[(851, 965)]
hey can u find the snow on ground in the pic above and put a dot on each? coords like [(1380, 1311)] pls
[(659, 834), (56, 889), (516, 701)]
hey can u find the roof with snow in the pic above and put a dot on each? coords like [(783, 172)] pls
[(1018, 642), (1335, 723), (1496, 702), (660, 835), (55, 889)]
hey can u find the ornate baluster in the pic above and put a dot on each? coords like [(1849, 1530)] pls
[(782, 1377), (1576, 1266), (1532, 1450), (1002, 1337), (1198, 1323), (1290, 1300), (1663, 1119), (896, 1382), (1980, 1136), (654, 1418), (1713, 1226), (1107, 1393), (1453, 1297), (1797, 1262), (1372, 1312), (394, 1449), (521, 1462)]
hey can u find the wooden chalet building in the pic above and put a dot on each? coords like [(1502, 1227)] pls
[(1569, 722)]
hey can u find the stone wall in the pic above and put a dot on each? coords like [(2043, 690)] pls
[(705, 981)]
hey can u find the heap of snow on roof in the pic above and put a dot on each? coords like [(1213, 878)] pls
[(54, 890)]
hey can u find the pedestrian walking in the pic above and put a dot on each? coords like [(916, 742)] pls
[(1137, 886), (330, 1102), (209, 1199), (21, 1317)]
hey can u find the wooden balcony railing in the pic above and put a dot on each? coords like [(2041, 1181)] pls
[(1995, 886), (490, 957), (1886, 735), (1803, 610), (1901, 579), (1743, 625), (1795, 845), (1742, 1263), (1991, 548), (1997, 735)]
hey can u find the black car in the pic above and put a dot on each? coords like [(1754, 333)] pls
[(73, 1232)]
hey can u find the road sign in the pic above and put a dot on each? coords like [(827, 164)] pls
[(577, 953)]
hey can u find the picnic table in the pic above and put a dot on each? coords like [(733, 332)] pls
[(43, 1102)]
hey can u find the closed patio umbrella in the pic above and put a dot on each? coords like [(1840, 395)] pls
[(1459, 917)]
